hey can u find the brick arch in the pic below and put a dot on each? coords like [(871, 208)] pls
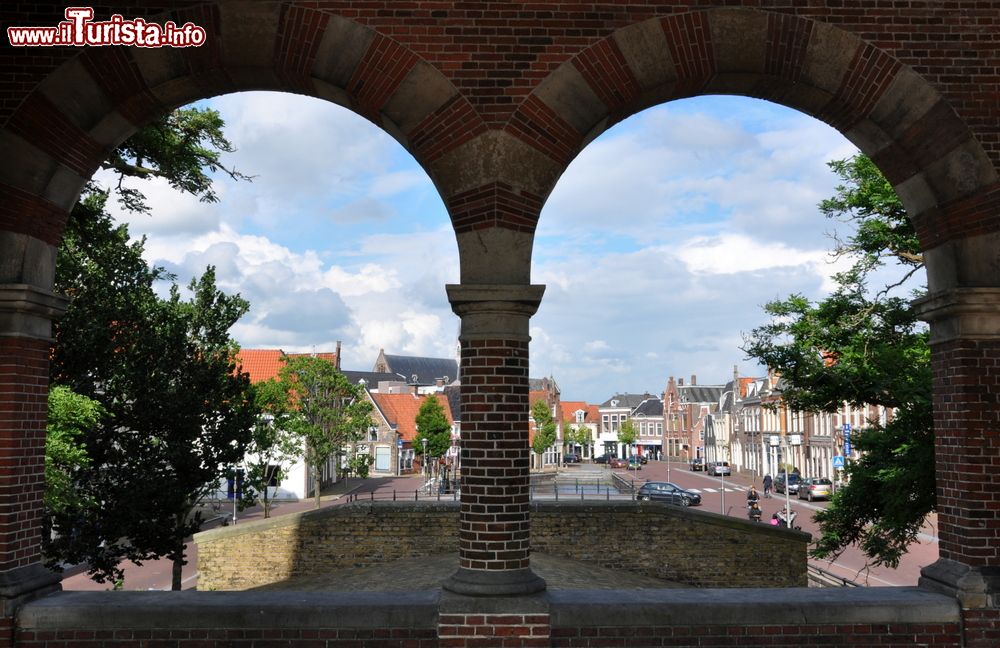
[(885, 108), (61, 132)]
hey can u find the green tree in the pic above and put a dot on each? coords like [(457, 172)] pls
[(578, 435), (71, 418), (864, 346), (545, 427), (175, 413), (433, 425), (178, 415), (274, 446), (183, 147), (332, 413), (627, 432)]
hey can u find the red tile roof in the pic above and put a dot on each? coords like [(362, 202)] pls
[(401, 410), (264, 364), (569, 408)]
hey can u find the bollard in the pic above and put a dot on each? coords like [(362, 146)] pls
[(393, 494)]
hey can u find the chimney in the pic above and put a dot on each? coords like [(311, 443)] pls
[(694, 380), (680, 382), (338, 355)]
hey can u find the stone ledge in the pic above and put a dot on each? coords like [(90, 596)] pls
[(750, 606), (190, 609)]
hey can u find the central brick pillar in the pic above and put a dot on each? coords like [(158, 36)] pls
[(965, 346), (495, 533)]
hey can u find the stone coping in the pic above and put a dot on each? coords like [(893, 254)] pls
[(192, 609), (541, 506), (750, 606), (568, 608)]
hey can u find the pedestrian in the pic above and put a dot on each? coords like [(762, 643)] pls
[(768, 483)]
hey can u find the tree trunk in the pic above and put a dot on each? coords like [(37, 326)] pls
[(178, 566), (316, 485), (267, 504)]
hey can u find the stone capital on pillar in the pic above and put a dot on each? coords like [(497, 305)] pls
[(28, 311), (961, 313), (491, 310)]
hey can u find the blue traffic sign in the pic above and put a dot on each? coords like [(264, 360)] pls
[(838, 462), (847, 428), (399, 443)]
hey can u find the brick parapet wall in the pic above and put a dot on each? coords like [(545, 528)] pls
[(687, 546), (806, 618)]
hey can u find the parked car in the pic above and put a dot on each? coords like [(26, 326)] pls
[(667, 492), (698, 464), (815, 488), (604, 458), (571, 457), (719, 468), (793, 483), (615, 462), (635, 463)]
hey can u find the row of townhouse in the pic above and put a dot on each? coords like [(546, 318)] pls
[(752, 427), (396, 387)]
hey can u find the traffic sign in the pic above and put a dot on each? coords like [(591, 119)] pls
[(847, 428), (399, 443), (838, 462)]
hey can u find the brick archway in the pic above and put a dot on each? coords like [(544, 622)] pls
[(495, 103)]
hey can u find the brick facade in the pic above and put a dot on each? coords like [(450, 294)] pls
[(494, 100)]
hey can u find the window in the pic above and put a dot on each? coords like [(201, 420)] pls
[(373, 434), (579, 416), (382, 458)]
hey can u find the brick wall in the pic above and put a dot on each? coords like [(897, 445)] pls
[(688, 546), (24, 378)]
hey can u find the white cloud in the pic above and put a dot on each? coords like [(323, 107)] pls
[(658, 246)]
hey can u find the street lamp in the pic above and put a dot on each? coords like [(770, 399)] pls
[(426, 466)]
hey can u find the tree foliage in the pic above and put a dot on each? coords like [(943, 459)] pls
[(174, 412), (274, 446), (863, 345), (331, 413), (627, 432), (433, 425), (545, 427), (182, 147), (71, 418)]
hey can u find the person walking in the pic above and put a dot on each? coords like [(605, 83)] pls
[(768, 483)]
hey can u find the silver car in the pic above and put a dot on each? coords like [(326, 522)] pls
[(719, 468), (815, 488)]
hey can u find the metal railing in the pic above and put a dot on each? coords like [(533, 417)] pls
[(575, 489), (819, 577)]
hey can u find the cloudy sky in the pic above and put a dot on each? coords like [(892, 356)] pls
[(658, 246)]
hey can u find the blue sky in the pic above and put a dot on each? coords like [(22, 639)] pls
[(658, 246)]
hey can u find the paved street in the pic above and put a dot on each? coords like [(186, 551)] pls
[(731, 501), (851, 564)]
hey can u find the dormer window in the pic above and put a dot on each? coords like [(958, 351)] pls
[(614, 403), (579, 416)]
